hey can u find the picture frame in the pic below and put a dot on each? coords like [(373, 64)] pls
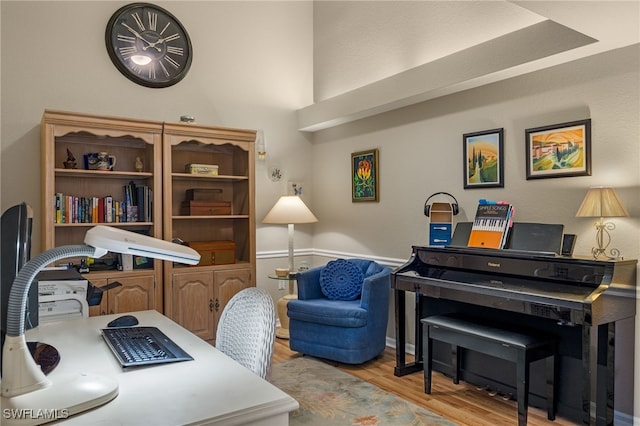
[(295, 188), (559, 150), (483, 156), (365, 168)]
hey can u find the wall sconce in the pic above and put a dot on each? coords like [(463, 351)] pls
[(261, 145), (602, 202)]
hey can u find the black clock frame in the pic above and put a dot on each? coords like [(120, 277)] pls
[(140, 37)]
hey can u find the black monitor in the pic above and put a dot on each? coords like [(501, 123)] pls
[(17, 223)]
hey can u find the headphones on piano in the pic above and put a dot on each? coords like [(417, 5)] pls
[(454, 206)]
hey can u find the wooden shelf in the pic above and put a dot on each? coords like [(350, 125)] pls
[(189, 176), (98, 174)]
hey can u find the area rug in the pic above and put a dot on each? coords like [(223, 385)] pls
[(329, 396)]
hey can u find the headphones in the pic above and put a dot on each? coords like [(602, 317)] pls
[(454, 206)]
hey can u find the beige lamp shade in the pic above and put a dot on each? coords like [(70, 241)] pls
[(601, 202), (289, 209)]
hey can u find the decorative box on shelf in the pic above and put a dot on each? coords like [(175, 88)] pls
[(203, 194), (215, 252), (205, 208), (202, 169)]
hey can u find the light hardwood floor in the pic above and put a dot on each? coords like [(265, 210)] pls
[(462, 404)]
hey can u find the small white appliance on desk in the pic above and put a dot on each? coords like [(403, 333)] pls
[(62, 294)]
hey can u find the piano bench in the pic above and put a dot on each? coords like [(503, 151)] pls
[(517, 347)]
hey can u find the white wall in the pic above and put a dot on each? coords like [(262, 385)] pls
[(421, 153), (252, 68)]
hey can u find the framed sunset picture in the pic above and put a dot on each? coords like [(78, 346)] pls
[(559, 150), (483, 159)]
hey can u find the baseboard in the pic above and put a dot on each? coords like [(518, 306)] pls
[(624, 419)]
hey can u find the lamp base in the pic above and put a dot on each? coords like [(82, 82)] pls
[(30, 398), (282, 332), (603, 239), (67, 395)]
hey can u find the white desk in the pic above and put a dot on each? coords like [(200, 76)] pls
[(211, 389)]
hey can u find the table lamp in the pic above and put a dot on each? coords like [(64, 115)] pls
[(602, 202), (289, 209), (25, 388)]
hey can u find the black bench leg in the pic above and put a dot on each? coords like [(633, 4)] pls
[(427, 363), (522, 387), (552, 372), (455, 363)]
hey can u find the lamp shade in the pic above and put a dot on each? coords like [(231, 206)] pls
[(289, 209), (601, 202)]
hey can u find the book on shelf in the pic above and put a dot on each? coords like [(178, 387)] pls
[(491, 225), (78, 209)]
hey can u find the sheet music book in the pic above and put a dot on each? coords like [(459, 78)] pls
[(490, 226)]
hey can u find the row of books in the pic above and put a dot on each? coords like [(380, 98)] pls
[(491, 224), (136, 206)]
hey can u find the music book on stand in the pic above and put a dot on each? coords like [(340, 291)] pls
[(491, 225)]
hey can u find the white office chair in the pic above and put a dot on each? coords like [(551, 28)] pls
[(246, 330)]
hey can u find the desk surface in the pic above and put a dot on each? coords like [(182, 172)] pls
[(211, 389)]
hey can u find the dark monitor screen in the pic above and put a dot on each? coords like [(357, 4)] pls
[(17, 223)]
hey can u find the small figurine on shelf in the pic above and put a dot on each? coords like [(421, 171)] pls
[(70, 163), (139, 165)]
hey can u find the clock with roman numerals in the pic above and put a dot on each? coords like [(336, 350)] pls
[(148, 45)]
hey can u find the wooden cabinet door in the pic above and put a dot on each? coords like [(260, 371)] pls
[(227, 284), (135, 294), (194, 304)]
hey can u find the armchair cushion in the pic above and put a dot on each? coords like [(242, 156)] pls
[(341, 280), (337, 313)]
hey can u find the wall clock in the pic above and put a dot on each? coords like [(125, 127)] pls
[(148, 45)]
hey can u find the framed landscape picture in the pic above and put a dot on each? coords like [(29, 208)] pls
[(364, 175), (483, 159), (559, 150)]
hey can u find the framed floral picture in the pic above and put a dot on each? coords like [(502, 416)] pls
[(559, 150), (364, 176), (483, 159)]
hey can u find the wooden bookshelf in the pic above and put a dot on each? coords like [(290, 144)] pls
[(200, 293), (126, 139), (193, 296)]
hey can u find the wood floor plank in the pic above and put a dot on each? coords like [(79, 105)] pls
[(462, 404)]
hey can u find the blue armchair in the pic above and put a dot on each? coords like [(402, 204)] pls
[(348, 331)]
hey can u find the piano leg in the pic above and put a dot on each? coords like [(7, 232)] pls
[(606, 357), (598, 356), (586, 376), (402, 367)]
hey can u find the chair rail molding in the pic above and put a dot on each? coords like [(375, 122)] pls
[(330, 254)]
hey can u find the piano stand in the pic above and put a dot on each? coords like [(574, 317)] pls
[(516, 347)]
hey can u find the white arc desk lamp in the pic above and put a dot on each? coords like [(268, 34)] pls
[(24, 385)]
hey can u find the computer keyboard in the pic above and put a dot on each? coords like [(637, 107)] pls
[(135, 346)]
